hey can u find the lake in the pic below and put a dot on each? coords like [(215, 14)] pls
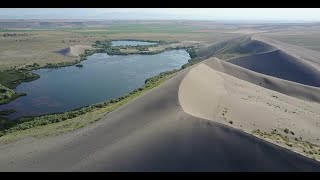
[(101, 78), (131, 43)]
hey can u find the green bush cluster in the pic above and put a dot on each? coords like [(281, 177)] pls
[(192, 52), (12, 78), (14, 34)]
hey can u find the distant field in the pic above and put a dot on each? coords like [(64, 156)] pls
[(142, 28), (39, 46)]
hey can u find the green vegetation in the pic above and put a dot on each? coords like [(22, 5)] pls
[(79, 65), (191, 62), (192, 52), (6, 112), (12, 78), (304, 147), (105, 47), (7, 95), (14, 34), (286, 130), (7, 99), (9, 80)]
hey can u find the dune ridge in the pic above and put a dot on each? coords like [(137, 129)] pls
[(240, 46), (297, 90), (306, 55), (281, 65), (214, 95)]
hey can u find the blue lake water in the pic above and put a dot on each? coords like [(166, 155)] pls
[(101, 78), (131, 43)]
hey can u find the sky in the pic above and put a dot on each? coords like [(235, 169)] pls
[(267, 14)]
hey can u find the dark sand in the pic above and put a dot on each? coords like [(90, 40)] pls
[(281, 65), (289, 88)]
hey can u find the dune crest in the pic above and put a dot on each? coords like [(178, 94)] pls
[(308, 56), (281, 65), (297, 90), (201, 106)]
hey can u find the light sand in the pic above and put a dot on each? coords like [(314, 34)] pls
[(78, 49), (304, 92), (74, 51), (213, 95)]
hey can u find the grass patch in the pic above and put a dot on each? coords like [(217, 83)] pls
[(7, 95), (6, 112), (11, 98), (298, 145), (12, 78), (286, 130)]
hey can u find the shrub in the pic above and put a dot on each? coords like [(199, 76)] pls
[(286, 130)]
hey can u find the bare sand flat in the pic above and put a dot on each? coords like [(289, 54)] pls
[(152, 133), (213, 95), (74, 51)]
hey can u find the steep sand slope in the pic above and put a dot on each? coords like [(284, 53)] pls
[(213, 95), (152, 133), (235, 47), (73, 50), (281, 65), (306, 55), (304, 92)]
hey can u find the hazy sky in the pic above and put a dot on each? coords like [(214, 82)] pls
[(291, 14)]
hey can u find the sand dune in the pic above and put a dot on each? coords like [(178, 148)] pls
[(270, 57), (239, 46), (308, 56), (281, 65), (73, 51), (152, 133), (297, 90), (213, 95)]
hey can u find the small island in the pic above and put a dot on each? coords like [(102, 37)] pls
[(79, 65)]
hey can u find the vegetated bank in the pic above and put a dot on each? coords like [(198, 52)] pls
[(10, 79), (24, 123)]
